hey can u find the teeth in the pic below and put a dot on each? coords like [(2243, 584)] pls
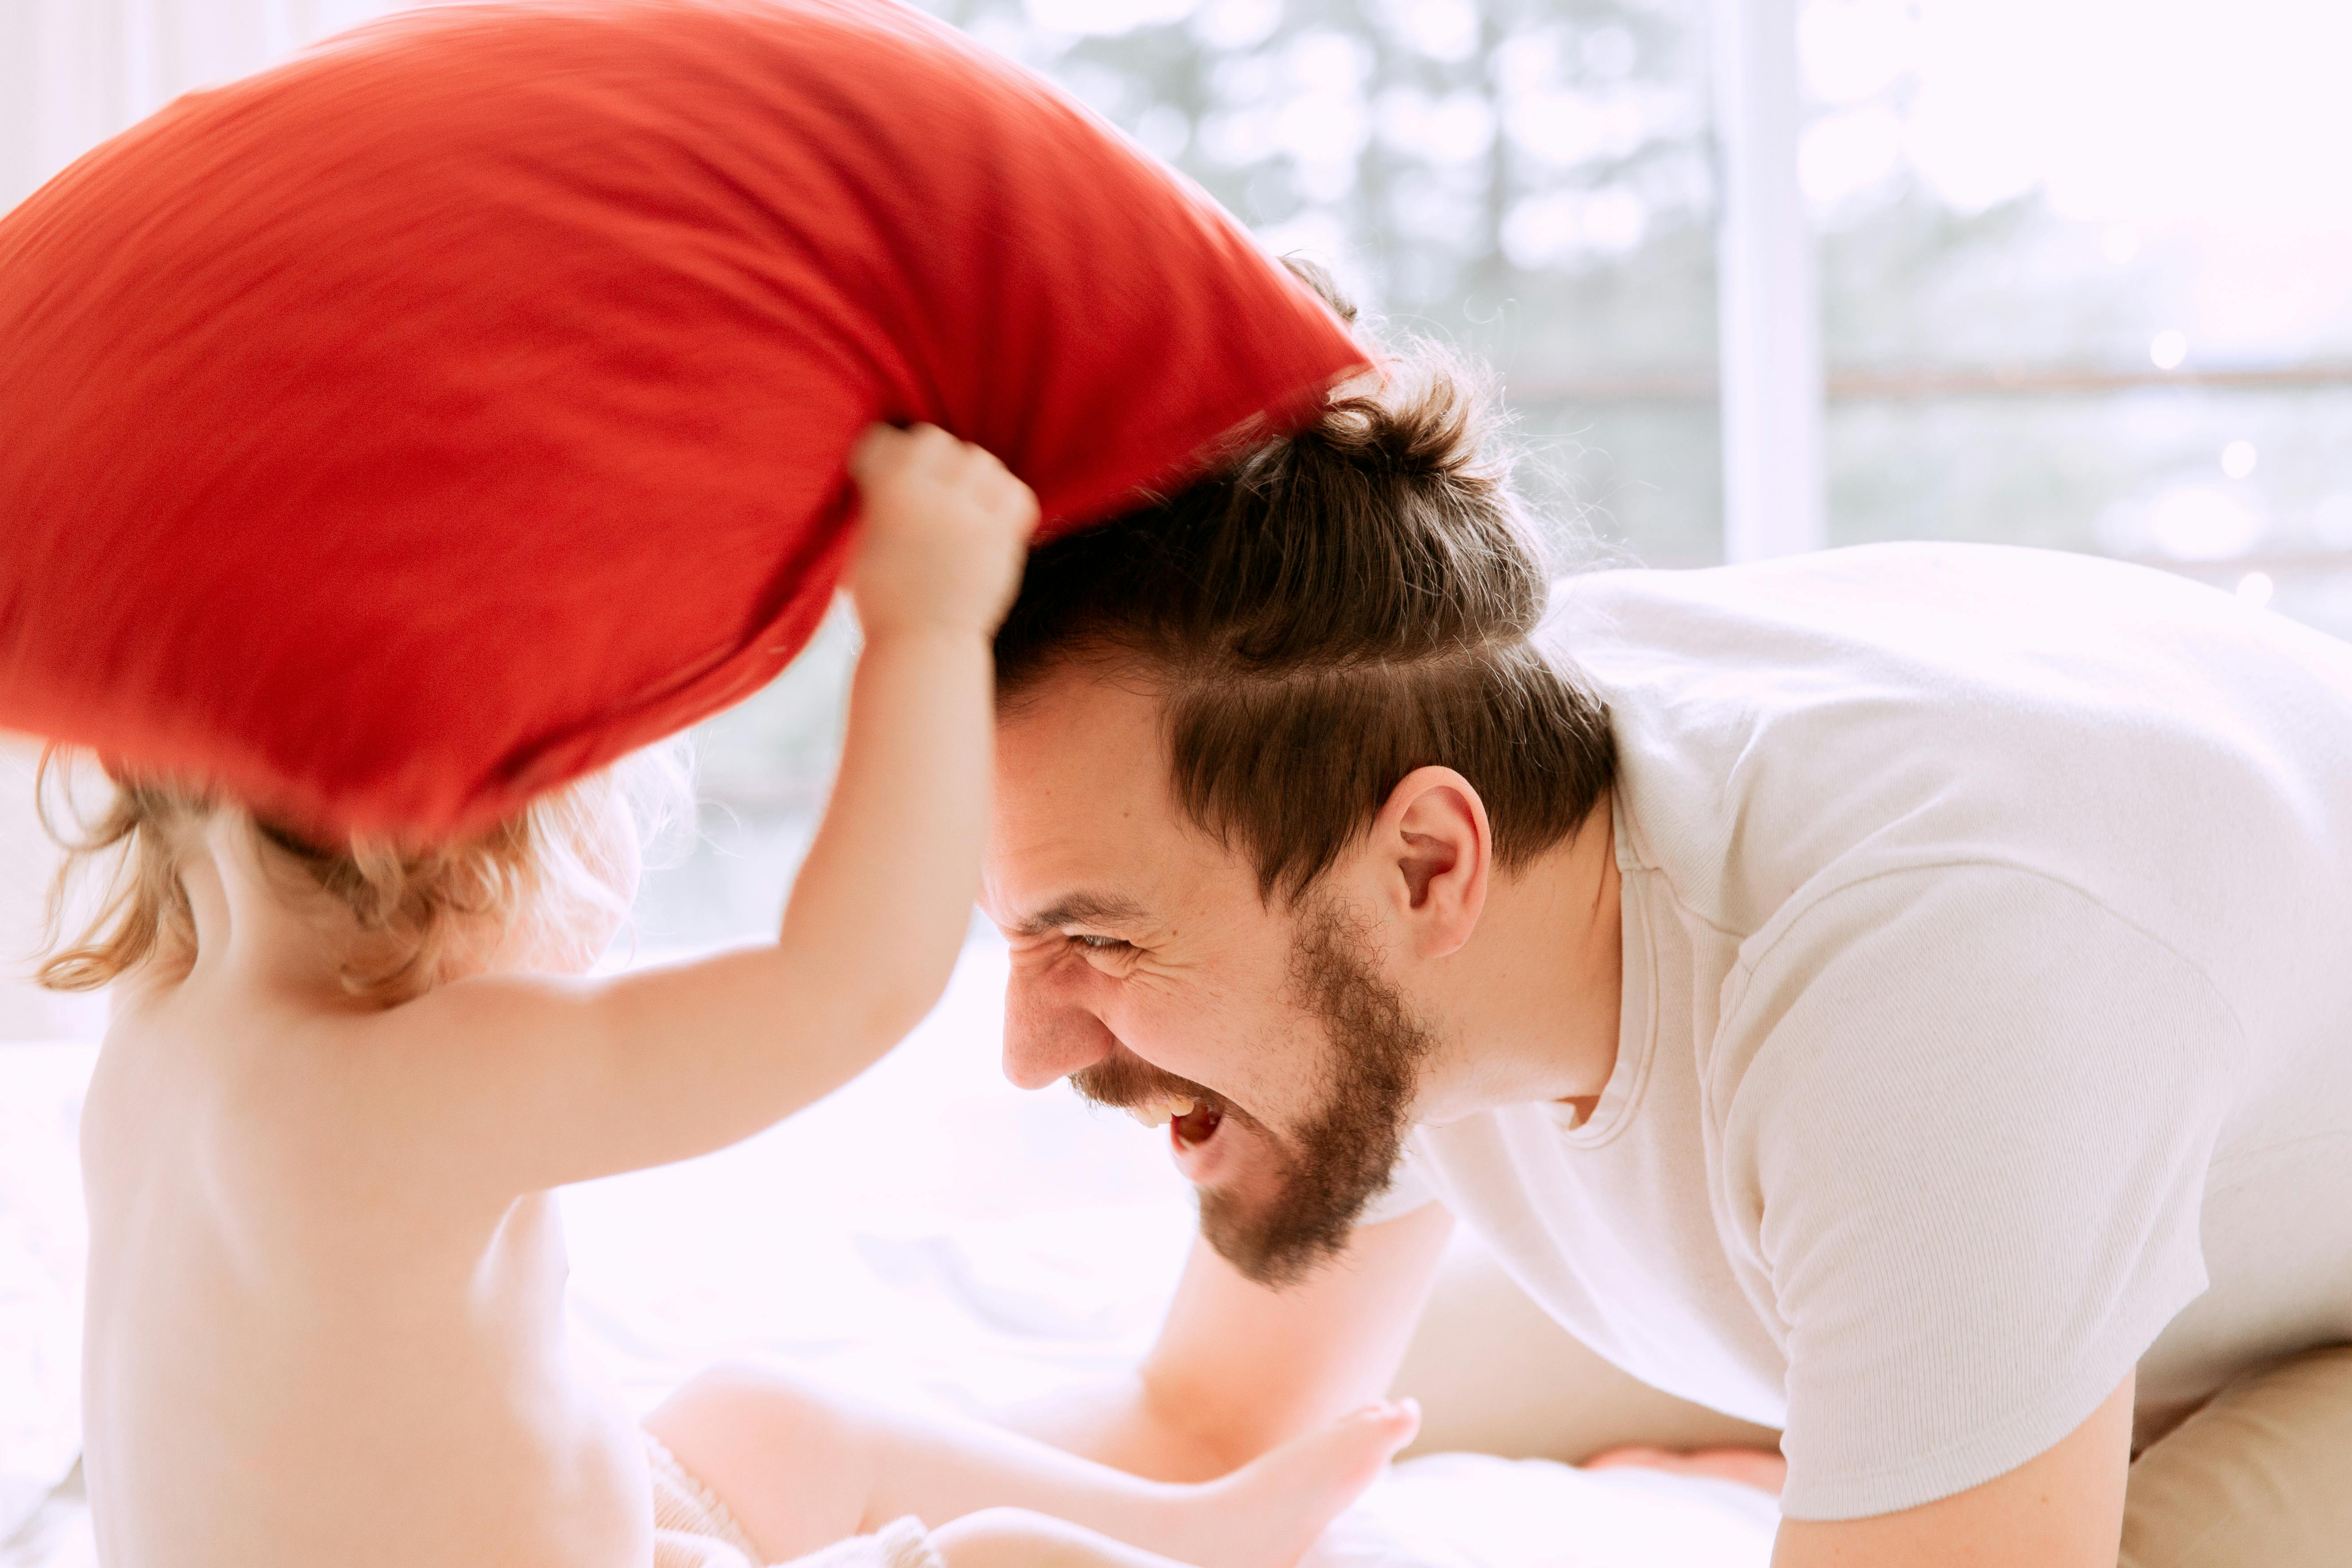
[(1159, 1112)]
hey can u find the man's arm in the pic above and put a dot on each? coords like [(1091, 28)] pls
[(1239, 1368), (2064, 1509)]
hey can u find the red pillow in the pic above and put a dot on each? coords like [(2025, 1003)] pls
[(409, 428)]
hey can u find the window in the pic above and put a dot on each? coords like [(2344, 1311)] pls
[(1530, 180), (2087, 281)]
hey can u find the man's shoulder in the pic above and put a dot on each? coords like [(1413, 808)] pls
[(1912, 607), (1927, 977), (1928, 572), (1776, 720)]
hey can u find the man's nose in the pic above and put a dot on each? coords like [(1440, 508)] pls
[(1048, 1036)]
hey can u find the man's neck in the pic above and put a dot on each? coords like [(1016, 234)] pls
[(1530, 1003)]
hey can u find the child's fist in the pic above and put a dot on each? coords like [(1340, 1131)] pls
[(945, 532)]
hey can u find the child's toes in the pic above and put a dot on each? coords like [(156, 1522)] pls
[(1331, 1466), (1267, 1513), (1386, 1428)]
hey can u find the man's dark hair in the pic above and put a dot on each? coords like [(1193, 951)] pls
[(1326, 613)]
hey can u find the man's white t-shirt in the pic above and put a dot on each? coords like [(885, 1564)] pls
[(1988, 1007)]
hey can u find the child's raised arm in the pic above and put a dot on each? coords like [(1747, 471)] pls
[(884, 899), (561, 1080)]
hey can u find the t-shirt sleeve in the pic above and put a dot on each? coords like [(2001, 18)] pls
[(1966, 1117)]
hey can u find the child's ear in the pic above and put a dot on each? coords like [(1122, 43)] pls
[(1435, 850)]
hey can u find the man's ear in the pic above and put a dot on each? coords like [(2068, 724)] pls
[(1433, 850)]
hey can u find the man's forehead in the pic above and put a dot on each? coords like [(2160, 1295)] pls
[(1083, 824), (1075, 749)]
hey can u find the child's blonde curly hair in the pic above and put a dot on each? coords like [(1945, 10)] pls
[(415, 904)]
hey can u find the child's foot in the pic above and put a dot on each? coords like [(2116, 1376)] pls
[(1268, 1512)]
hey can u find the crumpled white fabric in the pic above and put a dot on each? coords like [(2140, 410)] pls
[(1472, 1511), (43, 1238)]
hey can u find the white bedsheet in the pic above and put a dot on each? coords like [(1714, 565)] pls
[(41, 1248), (1472, 1511)]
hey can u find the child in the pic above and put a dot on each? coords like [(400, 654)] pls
[(326, 1315)]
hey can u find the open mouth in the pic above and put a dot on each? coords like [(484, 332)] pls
[(1201, 1151), (1192, 1120), (1196, 1126), (1188, 1118)]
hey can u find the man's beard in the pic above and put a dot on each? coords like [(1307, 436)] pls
[(1341, 1159)]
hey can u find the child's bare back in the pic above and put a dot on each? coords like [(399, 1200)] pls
[(326, 1316), (301, 1327)]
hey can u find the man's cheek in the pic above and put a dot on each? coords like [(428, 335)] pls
[(1184, 1040), (1197, 1010)]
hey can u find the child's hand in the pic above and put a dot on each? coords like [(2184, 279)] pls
[(945, 534)]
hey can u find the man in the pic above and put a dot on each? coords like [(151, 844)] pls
[(1897, 996)]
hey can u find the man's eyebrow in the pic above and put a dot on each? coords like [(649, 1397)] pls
[(1081, 909)]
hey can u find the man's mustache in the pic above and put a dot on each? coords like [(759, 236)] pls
[(1123, 1079)]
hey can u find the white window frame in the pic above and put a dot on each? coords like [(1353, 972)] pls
[(1767, 290)]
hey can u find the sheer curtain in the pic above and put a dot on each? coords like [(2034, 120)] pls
[(74, 72)]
